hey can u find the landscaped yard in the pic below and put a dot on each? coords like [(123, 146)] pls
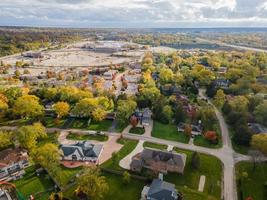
[(100, 126), (75, 136), (155, 145), (137, 130), (253, 184), (128, 147), (67, 175), (31, 184), (117, 188), (168, 132), (210, 166)]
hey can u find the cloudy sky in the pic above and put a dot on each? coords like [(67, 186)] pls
[(134, 13)]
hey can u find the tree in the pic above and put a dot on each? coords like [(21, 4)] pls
[(92, 184), (167, 113), (261, 113), (28, 135), (219, 98), (242, 135), (239, 104), (6, 139), (12, 94), (124, 111), (195, 162), (3, 104), (48, 157), (85, 107), (259, 142), (134, 121), (165, 75), (27, 106), (98, 114), (62, 109), (211, 136), (126, 177), (17, 73)]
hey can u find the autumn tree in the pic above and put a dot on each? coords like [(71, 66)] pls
[(6, 139), (27, 106), (259, 142), (165, 75), (188, 130), (211, 136), (92, 184), (62, 109), (124, 111), (134, 121), (98, 114), (261, 113)]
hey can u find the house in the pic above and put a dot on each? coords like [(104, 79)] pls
[(158, 160), (221, 83), (196, 129), (256, 128), (81, 151), (160, 190), (144, 116), (110, 75), (12, 164)]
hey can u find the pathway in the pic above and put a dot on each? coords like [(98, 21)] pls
[(126, 161)]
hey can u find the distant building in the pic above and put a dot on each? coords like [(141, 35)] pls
[(196, 129), (12, 164), (160, 190), (144, 116), (256, 128), (82, 151), (221, 83), (160, 161)]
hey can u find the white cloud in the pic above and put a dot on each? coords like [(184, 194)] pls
[(132, 13)]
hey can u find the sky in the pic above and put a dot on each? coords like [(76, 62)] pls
[(134, 13)]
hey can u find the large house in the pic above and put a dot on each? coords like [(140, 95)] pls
[(12, 164), (160, 190), (144, 116), (82, 151), (196, 129), (160, 161)]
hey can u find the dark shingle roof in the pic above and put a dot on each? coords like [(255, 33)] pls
[(161, 190)]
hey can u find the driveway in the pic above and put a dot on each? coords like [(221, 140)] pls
[(125, 162)]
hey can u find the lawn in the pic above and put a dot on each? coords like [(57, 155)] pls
[(17, 122), (253, 185), (96, 126), (128, 147), (210, 166), (155, 145), (75, 136), (50, 122), (32, 184), (190, 194), (168, 132), (117, 189), (137, 130), (68, 175)]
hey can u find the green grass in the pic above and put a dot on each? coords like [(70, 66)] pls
[(128, 147), (75, 136), (117, 189), (100, 126), (17, 122), (119, 128), (168, 132), (79, 124), (253, 185), (210, 166), (50, 122), (51, 138), (190, 194), (155, 145), (201, 141), (32, 184), (137, 130), (66, 175)]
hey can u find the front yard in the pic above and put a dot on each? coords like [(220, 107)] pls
[(137, 130), (168, 132), (155, 145), (76, 136), (251, 183)]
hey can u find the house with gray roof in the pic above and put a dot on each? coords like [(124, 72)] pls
[(158, 160), (81, 151), (160, 190), (256, 128)]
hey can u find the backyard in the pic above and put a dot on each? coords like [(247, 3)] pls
[(168, 132), (31, 184), (252, 183)]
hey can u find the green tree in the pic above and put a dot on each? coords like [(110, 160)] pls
[(126, 177), (27, 106), (6, 139), (85, 107), (239, 104), (261, 113), (167, 113), (92, 184), (165, 75), (124, 111), (98, 114), (28, 135), (259, 142), (219, 98)]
